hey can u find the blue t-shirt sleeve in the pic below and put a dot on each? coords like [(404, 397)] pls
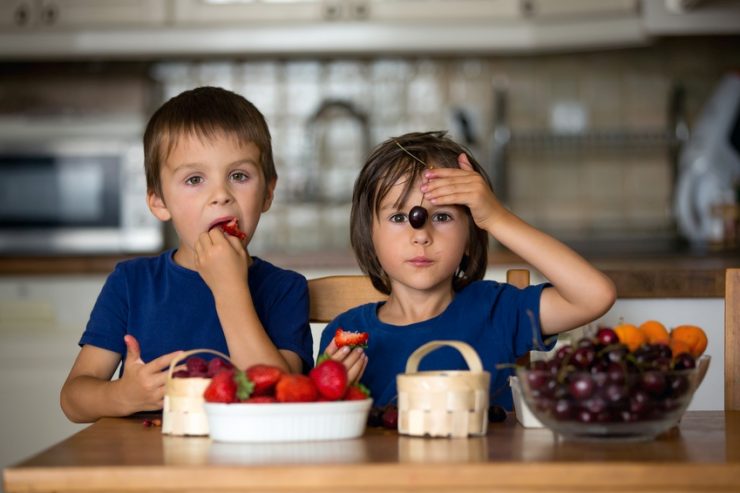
[(109, 317), (527, 327), (287, 323), (328, 334)]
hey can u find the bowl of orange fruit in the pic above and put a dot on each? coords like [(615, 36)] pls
[(627, 382)]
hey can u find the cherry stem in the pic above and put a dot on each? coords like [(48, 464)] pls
[(416, 159)]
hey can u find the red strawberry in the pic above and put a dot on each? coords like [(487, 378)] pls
[(261, 399), (181, 374), (228, 386), (330, 378), (352, 339), (222, 388), (232, 228), (296, 388), (197, 367), (216, 365), (357, 392), (264, 377)]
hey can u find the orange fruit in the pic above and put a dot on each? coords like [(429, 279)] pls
[(655, 332), (678, 346), (694, 337), (630, 336)]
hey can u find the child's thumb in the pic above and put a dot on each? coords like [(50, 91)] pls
[(133, 350), (464, 162)]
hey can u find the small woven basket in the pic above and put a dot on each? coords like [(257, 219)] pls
[(183, 412), (443, 403)]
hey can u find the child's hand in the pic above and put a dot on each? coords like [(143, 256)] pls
[(143, 384), (355, 360), (221, 259), (464, 186)]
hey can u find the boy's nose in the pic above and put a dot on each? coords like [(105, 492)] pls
[(421, 236), (221, 195)]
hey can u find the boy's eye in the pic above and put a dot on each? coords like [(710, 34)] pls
[(441, 217), (399, 217), (239, 176), (194, 180)]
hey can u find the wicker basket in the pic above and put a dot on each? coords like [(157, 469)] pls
[(183, 412), (443, 403)]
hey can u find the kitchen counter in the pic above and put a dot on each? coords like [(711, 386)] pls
[(669, 275), (703, 454)]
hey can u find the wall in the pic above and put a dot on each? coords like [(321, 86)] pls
[(591, 150)]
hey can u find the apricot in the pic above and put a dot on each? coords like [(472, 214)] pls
[(693, 336), (655, 332), (630, 335)]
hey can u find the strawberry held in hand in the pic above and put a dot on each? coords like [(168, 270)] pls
[(331, 379), (230, 227), (352, 339)]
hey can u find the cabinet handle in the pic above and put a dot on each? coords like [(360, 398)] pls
[(332, 11), (21, 15), (361, 10), (49, 15)]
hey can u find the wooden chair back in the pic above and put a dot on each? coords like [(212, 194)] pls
[(732, 339), (329, 296)]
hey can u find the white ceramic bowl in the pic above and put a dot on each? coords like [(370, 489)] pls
[(287, 422)]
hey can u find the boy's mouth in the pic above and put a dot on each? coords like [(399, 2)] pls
[(222, 221), (229, 225)]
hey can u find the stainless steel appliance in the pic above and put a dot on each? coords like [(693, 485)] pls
[(709, 167), (72, 185)]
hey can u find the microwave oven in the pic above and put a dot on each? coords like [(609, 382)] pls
[(70, 186)]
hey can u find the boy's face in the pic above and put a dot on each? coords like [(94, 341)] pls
[(208, 181), (425, 258)]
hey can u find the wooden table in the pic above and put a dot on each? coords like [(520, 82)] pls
[(703, 454)]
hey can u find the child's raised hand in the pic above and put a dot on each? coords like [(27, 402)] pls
[(355, 360), (143, 384), (464, 186), (221, 259)]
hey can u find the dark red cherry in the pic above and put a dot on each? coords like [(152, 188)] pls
[(417, 217)]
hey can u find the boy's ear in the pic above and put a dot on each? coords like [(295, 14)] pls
[(269, 195), (157, 206)]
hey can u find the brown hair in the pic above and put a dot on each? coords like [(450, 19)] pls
[(389, 162), (205, 112)]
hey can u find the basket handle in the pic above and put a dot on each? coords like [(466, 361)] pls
[(184, 355), (471, 357)]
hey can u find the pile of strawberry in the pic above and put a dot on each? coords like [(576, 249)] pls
[(328, 381)]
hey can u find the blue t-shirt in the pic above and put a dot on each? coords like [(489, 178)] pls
[(169, 308), (499, 320)]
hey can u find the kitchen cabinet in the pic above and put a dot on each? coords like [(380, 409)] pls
[(205, 12), (678, 17), (76, 14)]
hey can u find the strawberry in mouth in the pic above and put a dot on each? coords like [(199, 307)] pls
[(231, 227)]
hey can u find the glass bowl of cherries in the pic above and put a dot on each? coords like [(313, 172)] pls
[(599, 389)]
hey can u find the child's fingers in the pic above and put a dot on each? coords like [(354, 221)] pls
[(331, 348), (163, 362), (356, 370), (353, 357)]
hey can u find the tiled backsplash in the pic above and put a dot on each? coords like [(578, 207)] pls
[(572, 190)]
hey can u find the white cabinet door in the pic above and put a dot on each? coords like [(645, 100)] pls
[(81, 14), (204, 12), (431, 10)]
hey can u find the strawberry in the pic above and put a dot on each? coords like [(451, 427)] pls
[(216, 365), (357, 392), (293, 387), (228, 386), (197, 367), (261, 399), (222, 388), (330, 378), (232, 228), (352, 339), (264, 377)]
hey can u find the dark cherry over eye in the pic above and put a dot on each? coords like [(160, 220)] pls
[(418, 216)]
